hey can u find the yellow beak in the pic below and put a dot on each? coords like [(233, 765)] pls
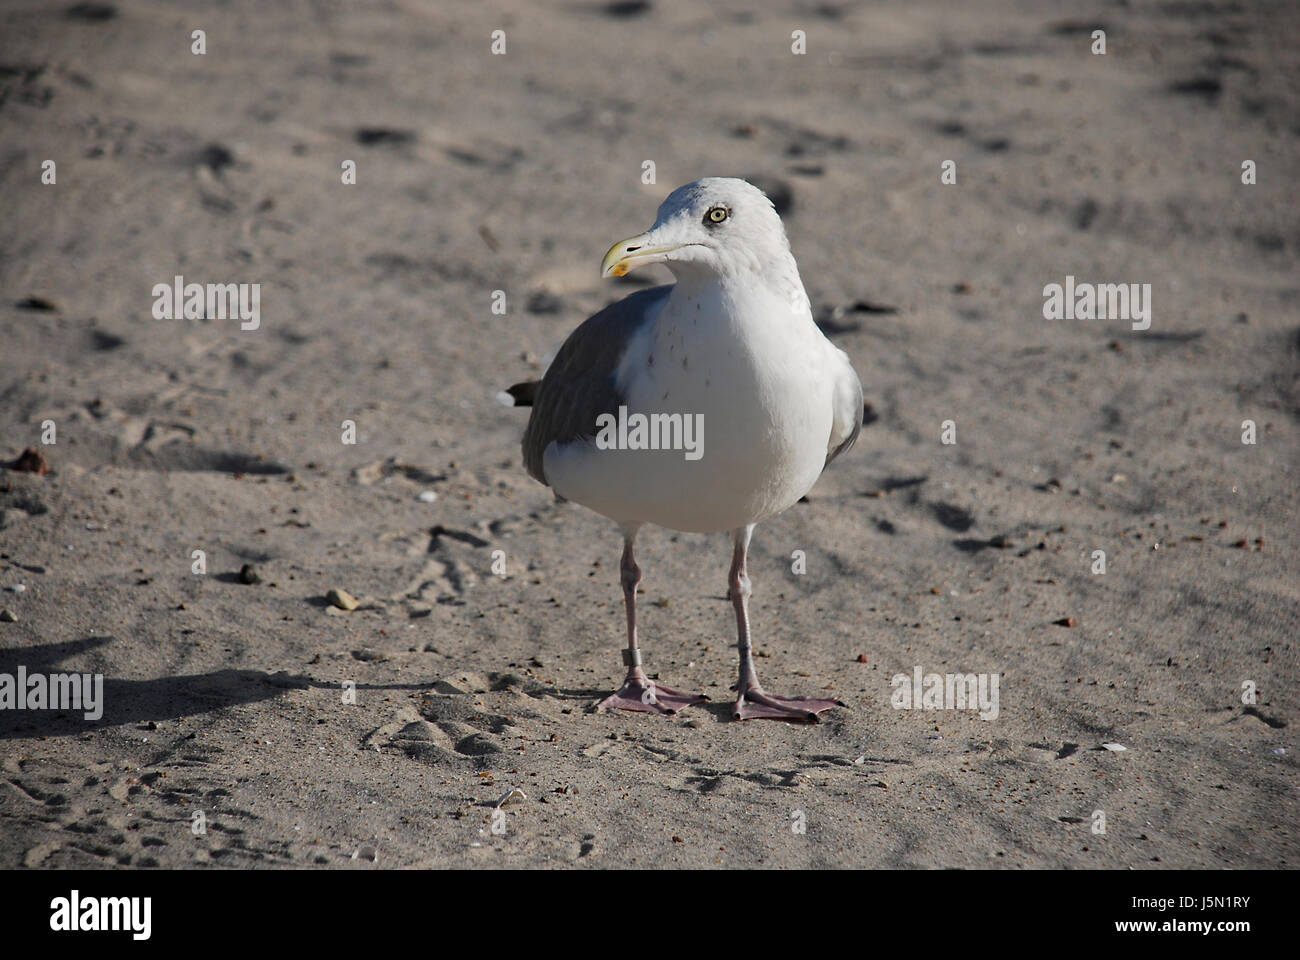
[(629, 254)]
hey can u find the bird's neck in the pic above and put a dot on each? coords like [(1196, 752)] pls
[(776, 281)]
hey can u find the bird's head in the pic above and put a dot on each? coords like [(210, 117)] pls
[(717, 225)]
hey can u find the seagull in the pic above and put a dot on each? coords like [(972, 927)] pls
[(708, 405)]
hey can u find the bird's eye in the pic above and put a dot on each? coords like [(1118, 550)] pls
[(717, 215)]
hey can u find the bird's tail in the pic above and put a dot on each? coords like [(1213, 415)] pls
[(524, 393)]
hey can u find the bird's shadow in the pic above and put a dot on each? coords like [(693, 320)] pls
[(578, 695), (140, 701)]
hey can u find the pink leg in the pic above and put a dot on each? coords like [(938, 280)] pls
[(638, 691), (751, 700)]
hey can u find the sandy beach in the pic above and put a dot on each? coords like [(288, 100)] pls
[(211, 480)]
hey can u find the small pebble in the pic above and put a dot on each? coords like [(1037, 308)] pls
[(31, 460), (427, 496), (8, 616), (341, 599), (248, 574), (512, 796)]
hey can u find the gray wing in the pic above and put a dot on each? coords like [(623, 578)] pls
[(848, 410), (579, 385)]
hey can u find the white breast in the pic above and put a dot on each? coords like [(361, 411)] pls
[(754, 369)]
